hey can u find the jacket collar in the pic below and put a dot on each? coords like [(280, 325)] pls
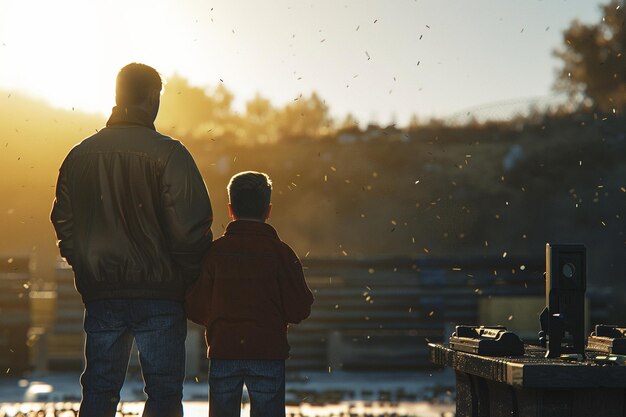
[(250, 227), (130, 115)]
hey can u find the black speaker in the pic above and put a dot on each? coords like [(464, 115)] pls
[(563, 320)]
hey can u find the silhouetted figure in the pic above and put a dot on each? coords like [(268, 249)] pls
[(133, 219), (250, 288)]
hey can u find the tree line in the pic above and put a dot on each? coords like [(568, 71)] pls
[(207, 112)]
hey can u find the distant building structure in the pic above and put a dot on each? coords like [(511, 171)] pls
[(349, 135), (14, 315), (372, 132), (66, 338)]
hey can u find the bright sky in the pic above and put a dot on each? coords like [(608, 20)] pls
[(360, 55)]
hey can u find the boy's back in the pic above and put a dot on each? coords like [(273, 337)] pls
[(251, 286)]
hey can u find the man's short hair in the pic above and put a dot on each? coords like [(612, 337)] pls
[(135, 82), (249, 194)]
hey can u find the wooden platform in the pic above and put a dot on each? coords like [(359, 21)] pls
[(533, 386)]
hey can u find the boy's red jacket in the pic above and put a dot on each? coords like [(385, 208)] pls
[(250, 287)]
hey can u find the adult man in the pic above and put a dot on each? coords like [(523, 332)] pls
[(133, 219)]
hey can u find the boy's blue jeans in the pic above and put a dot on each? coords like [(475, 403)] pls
[(159, 328), (265, 380)]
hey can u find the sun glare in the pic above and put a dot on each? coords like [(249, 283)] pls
[(50, 53), (68, 52)]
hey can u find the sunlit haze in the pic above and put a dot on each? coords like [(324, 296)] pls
[(434, 164), (379, 60)]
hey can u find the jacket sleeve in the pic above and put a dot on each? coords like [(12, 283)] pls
[(62, 217), (187, 213), (198, 298), (297, 298)]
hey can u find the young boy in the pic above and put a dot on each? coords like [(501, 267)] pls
[(251, 287)]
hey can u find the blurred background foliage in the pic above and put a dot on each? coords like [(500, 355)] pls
[(594, 70)]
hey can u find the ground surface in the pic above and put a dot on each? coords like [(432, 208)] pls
[(415, 394)]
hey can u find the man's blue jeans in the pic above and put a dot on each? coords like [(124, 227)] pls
[(265, 380), (159, 328)]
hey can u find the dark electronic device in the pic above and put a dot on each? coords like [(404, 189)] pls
[(486, 341), (563, 319), (608, 339)]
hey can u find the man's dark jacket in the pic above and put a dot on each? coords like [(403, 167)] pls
[(132, 213)]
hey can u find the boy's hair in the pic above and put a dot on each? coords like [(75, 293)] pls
[(135, 82), (249, 194)]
